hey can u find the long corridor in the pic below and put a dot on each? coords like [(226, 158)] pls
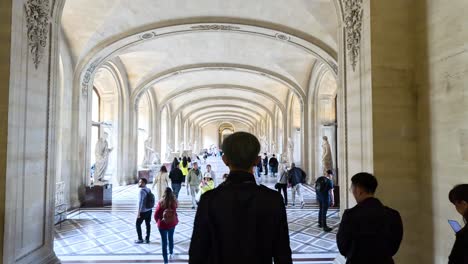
[(106, 235)]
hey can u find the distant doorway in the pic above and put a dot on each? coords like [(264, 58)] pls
[(225, 130)]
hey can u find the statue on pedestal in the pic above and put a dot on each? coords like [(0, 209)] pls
[(102, 152), (169, 151), (290, 150), (327, 161), (181, 147), (273, 147), (263, 143), (149, 153)]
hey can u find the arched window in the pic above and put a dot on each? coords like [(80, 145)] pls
[(95, 123)]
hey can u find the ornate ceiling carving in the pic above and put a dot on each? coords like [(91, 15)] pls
[(37, 23)]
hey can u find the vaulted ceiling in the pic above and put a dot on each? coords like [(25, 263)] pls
[(236, 58)]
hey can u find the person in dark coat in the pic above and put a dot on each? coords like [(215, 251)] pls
[(240, 221), (369, 232), (273, 165), (459, 197), (265, 164), (177, 178)]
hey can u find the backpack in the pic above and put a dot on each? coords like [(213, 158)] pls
[(322, 185), (168, 216), (149, 200)]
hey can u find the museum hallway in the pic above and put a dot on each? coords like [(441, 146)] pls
[(104, 235)]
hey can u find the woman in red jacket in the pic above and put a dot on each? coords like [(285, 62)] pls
[(166, 218)]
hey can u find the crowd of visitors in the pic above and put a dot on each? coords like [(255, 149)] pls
[(241, 221)]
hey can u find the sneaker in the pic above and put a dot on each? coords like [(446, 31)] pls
[(327, 229), (147, 241), (302, 205), (171, 256), (139, 241)]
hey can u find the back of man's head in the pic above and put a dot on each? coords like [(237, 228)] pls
[(293, 165), (366, 181), (241, 150)]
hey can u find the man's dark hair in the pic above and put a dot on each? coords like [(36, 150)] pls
[(366, 181), (273, 155), (264, 153), (241, 149), (329, 172), (145, 181), (458, 194)]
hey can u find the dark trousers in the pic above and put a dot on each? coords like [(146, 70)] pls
[(284, 187), (146, 216), (167, 235), (265, 169), (324, 204), (176, 189)]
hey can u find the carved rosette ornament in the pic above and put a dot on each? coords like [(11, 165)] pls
[(37, 22), (353, 25)]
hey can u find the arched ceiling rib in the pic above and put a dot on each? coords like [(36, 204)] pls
[(106, 20), (200, 112), (201, 104), (230, 113), (226, 118)]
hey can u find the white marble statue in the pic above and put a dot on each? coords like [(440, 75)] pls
[(290, 150), (181, 147), (273, 147), (149, 153), (327, 160), (195, 145), (102, 157), (284, 158), (169, 151), (156, 159), (263, 144)]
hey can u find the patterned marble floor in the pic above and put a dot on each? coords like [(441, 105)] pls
[(105, 235)]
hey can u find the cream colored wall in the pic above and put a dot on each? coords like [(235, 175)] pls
[(210, 135), (442, 79), (5, 35)]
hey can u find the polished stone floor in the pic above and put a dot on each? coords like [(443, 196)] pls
[(106, 235)]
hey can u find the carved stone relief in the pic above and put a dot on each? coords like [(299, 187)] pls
[(37, 22), (353, 26), (87, 77), (214, 27)]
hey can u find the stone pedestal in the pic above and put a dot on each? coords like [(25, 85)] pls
[(98, 196)]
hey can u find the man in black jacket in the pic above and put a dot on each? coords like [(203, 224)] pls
[(177, 178), (240, 222), (370, 232)]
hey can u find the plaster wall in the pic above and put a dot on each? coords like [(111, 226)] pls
[(442, 78)]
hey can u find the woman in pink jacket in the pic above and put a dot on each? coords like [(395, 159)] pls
[(166, 218)]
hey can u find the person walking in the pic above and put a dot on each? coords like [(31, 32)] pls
[(161, 182), (240, 221), (211, 172), (192, 181), (175, 163), (265, 164), (282, 184), (296, 177), (177, 178), (145, 208), (273, 162), (184, 167), (166, 219), (369, 232), (324, 194), (207, 184), (458, 196)]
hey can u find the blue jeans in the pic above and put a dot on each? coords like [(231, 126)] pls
[(176, 189), (167, 234), (324, 204)]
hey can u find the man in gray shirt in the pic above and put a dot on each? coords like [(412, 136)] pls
[(144, 214)]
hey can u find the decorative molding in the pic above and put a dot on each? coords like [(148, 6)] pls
[(37, 23), (215, 27), (87, 77), (147, 35), (353, 25), (333, 66), (282, 37)]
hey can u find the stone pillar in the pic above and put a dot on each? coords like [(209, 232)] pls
[(27, 138)]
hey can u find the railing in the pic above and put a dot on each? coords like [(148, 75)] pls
[(60, 203)]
